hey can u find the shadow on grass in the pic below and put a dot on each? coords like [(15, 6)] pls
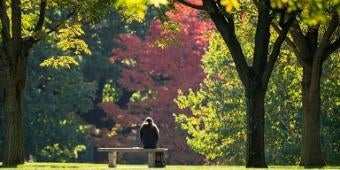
[(8, 166), (55, 166)]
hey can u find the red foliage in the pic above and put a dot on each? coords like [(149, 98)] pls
[(163, 71)]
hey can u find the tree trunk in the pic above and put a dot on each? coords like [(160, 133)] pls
[(311, 155), (13, 119), (255, 127)]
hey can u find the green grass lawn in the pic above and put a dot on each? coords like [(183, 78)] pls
[(73, 166)]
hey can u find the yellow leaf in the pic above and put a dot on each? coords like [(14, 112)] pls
[(229, 7), (59, 62), (230, 4), (158, 3)]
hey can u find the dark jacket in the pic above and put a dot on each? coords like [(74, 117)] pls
[(149, 135)]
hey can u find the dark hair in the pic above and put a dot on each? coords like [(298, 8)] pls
[(148, 120)]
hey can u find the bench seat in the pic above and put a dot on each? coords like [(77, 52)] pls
[(112, 154)]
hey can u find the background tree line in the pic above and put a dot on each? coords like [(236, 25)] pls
[(69, 99)]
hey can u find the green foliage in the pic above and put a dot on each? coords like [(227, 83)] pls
[(216, 129), (140, 96), (59, 153), (111, 92), (132, 9), (62, 25), (57, 99), (67, 40), (169, 31), (135, 10), (313, 12), (129, 62), (54, 131), (284, 111), (71, 46), (59, 62), (331, 108)]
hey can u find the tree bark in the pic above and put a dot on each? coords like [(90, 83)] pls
[(311, 153), (13, 98), (255, 95), (13, 123)]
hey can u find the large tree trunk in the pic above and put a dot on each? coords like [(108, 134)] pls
[(13, 98), (311, 154), (13, 117), (255, 129)]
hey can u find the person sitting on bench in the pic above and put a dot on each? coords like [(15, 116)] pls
[(149, 133)]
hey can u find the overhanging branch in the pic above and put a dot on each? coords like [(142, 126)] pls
[(16, 21), (290, 43), (3, 60), (277, 46), (288, 40), (191, 5), (317, 62), (4, 21), (300, 42), (328, 34), (29, 42), (331, 49), (42, 11), (312, 37), (61, 22), (227, 31), (262, 37)]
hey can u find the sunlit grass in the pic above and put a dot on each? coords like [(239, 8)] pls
[(88, 166)]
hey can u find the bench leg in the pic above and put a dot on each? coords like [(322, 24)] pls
[(151, 156), (112, 159)]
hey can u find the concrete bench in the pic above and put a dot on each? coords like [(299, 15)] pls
[(112, 153)]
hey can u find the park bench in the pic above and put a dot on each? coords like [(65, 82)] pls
[(112, 154)]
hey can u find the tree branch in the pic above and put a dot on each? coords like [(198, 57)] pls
[(31, 40), (28, 42), (227, 31), (277, 46), (331, 49), (4, 21), (312, 37), (317, 62), (301, 44), (2, 55), (16, 21), (3, 59), (262, 37), (328, 34), (191, 5), (291, 44), (61, 22), (288, 40), (42, 11)]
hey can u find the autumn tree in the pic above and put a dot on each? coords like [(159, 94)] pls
[(255, 72), (155, 67), (97, 67)]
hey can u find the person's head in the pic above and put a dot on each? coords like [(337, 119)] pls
[(148, 120)]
